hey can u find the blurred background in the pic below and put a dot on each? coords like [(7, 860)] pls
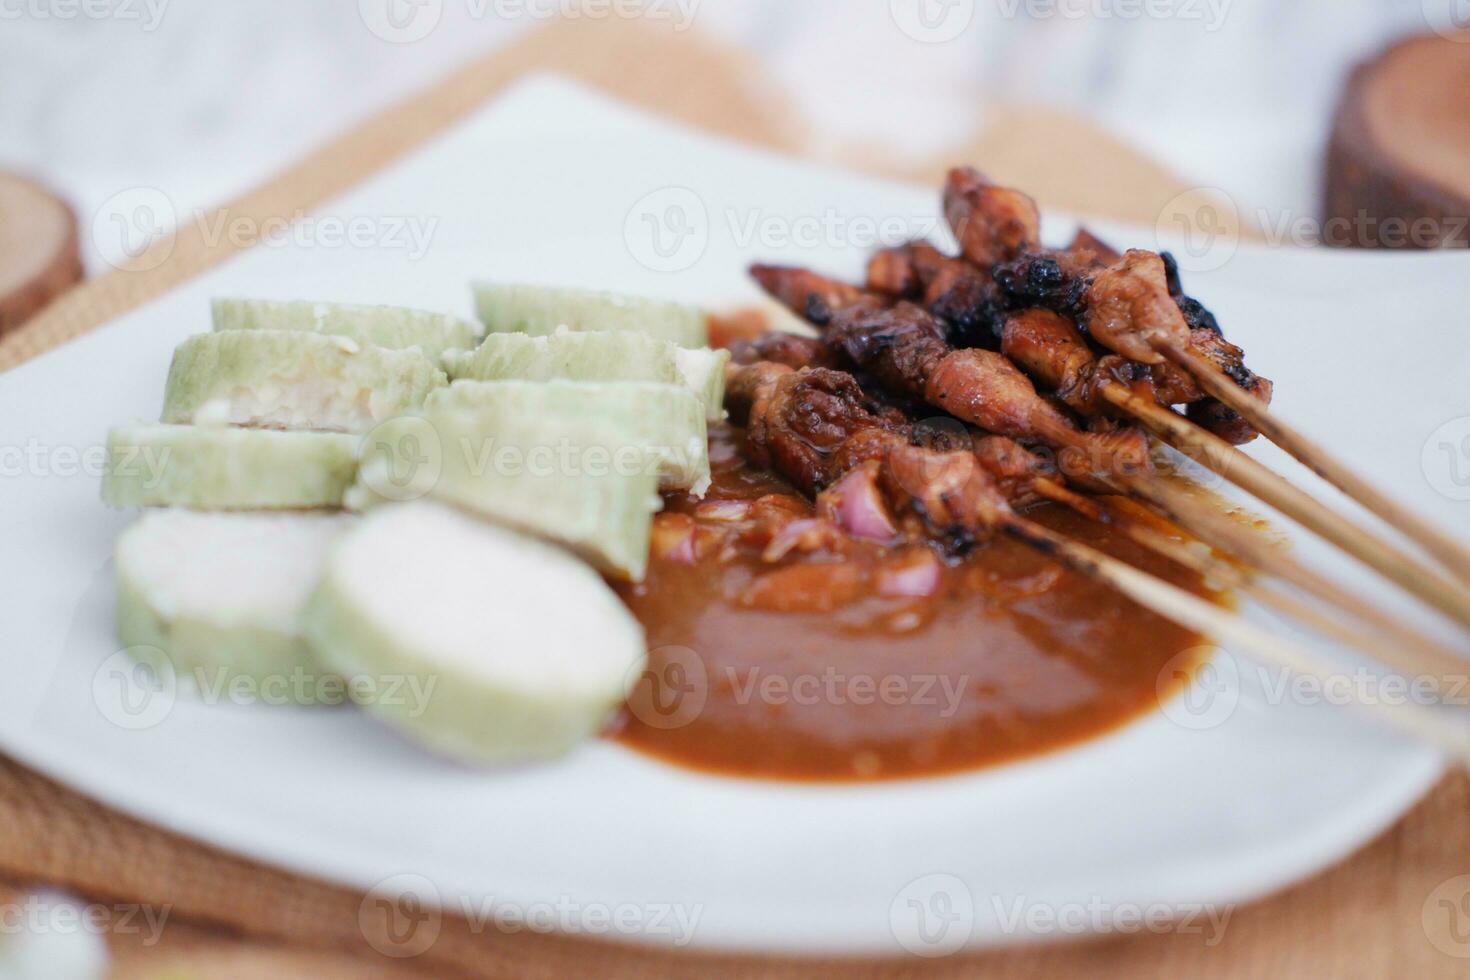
[(206, 99)]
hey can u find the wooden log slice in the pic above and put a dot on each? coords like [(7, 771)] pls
[(1398, 165), (39, 256)]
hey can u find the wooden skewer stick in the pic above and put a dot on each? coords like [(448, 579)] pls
[(1218, 455), (1429, 658), (1206, 618), (1221, 533), (1451, 552)]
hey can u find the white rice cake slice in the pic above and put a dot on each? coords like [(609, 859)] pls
[(393, 327), (227, 468), (540, 310), (595, 356), (666, 419), (220, 596), (288, 379), (518, 650), (585, 483)]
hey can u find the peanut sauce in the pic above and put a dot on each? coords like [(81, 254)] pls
[(775, 653)]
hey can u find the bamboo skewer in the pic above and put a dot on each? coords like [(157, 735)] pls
[(1452, 553), (1211, 620), (1427, 658), (1221, 533), (1221, 457)]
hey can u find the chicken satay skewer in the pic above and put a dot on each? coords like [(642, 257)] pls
[(1381, 636), (999, 229), (1015, 467), (1376, 635), (1450, 551), (804, 423), (1131, 310), (1050, 349), (904, 347), (1220, 532), (1387, 631)]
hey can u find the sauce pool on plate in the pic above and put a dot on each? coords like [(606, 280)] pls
[(856, 661)]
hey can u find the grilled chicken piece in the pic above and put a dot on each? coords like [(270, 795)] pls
[(1056, 281), (789, 350), (1129, 308), (1194, 311), (1008, 462), (1122, 303), (1224, 421), (954, 495), (895, 271), (1175, 386), (1172, 385), (1229, 359), (898, 347), (781, 348), (992, 224), (808, 294), (1050, 354), (799, 419), (1212, 415), (1050, 348), (1053, 352), (1013, 467), (984, 388), (1088, 249), (902, 348), (747, 385), (963, 297), (812, 427)]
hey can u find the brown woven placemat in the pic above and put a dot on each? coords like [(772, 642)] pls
[(1373, 916)]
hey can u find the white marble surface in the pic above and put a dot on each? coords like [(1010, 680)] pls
[(201, 99)]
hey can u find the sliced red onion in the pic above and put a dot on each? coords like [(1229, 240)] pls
[(673, 538), (723, 511), (807, 534), (919, 575), (859, 507)]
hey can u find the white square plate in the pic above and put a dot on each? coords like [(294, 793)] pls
[(1238, 792)]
